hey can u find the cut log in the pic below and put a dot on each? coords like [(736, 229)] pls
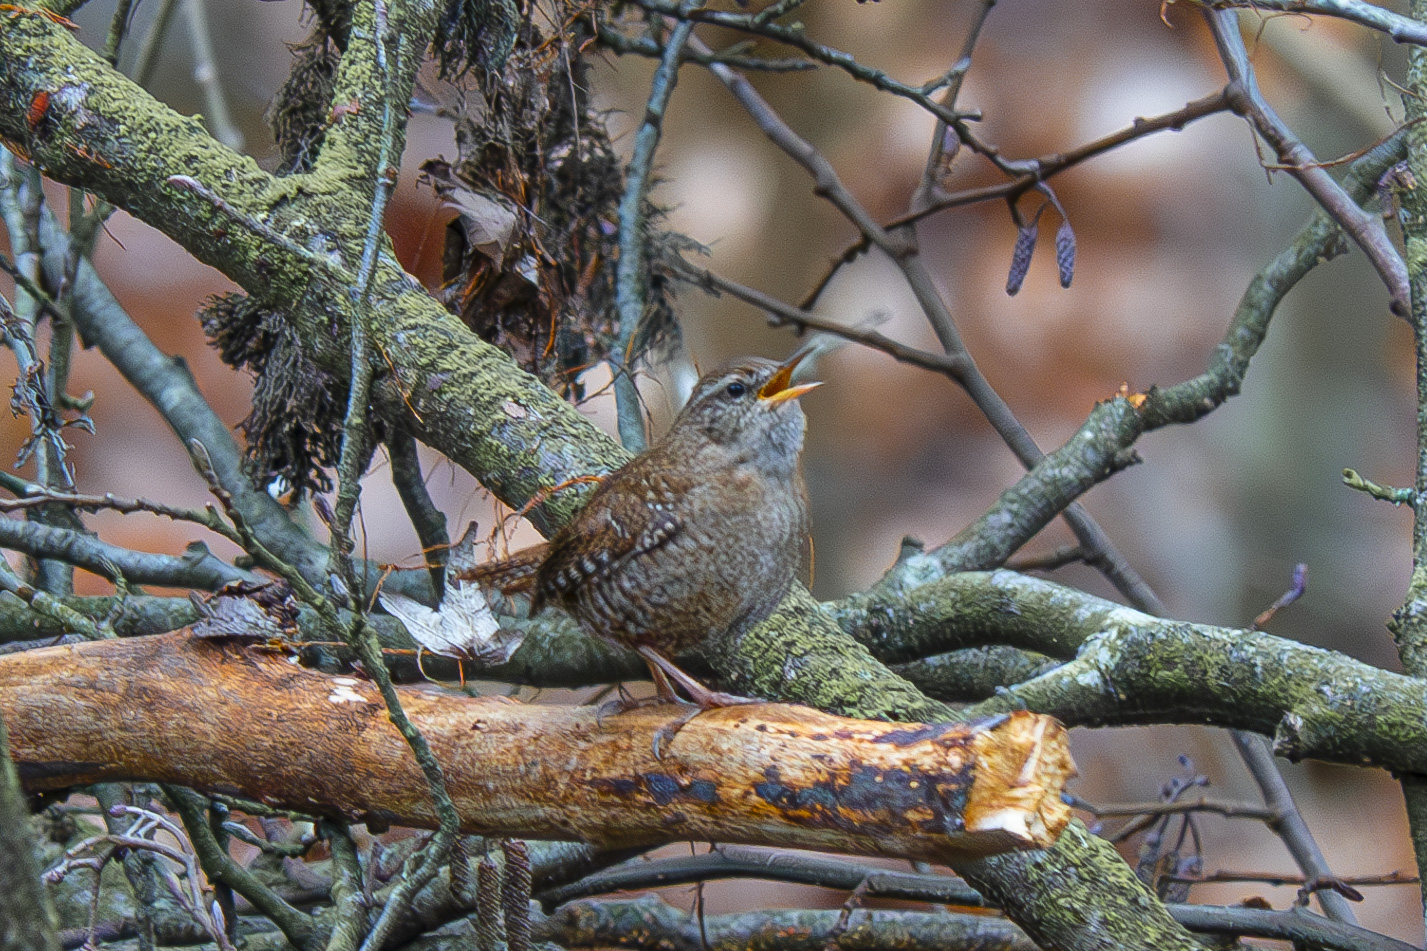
[(225, 718)]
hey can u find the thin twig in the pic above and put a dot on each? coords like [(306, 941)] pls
[(780, 313), (648, 46), (118, 27), (148, 55), (37, 495), (425, 517), (1227, 808), (1400, 28), (1365, 229), (1288, 823), (1387, 493), (1277, 880), (260, 228), (798, 39), (205, 73), (769, 864), (632, 270), (1040, 170), (192, 808), (939, 156)]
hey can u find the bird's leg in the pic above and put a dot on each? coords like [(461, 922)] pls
[(664, 670), (662, 686)]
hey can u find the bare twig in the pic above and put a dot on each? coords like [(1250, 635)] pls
[(650, 925), (192, 808), (1227, 808), (37, 496), (1042, 169), (768, 864), (648, 46), (205, 74), (632, 271), (1288, 822), (797, 38), (148, 55), (1365, 229), (780, 313), (426, 518), (1400, 28), (197, 568), (1387, 493)]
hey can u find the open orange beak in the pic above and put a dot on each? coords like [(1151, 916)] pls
[(777, 389)]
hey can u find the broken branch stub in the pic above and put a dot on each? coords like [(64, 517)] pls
[(223, 717)]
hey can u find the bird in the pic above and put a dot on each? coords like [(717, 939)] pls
[(700, 535)]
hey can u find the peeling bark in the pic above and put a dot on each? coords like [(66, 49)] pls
[(233, 719)]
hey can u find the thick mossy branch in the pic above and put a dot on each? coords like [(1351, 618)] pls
[(104, 133), (650, 924), (1037, 883), (801, 656), (462, 395), (1126, 667)]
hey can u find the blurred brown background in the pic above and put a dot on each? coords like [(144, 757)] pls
[(1170, 229)]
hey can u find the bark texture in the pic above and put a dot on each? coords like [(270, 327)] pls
[(234, 719)]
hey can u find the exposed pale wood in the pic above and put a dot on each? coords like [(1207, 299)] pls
[(228, 718)]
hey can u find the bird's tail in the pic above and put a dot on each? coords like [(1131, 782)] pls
[(513, 574)]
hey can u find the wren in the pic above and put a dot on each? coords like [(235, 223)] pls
[(700, 535)]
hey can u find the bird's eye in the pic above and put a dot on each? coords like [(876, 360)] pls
[(737, 389)]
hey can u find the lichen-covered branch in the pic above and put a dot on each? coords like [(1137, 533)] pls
[(649, 924), (196, 568), (460, 394), (1126, 667)]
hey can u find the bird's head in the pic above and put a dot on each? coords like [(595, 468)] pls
[(749, 406)]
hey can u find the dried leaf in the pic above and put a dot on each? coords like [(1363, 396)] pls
[(233, 618), (249, 612), (463, 626), (489, 220)]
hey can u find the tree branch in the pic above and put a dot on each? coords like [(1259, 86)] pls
[(250, 721)]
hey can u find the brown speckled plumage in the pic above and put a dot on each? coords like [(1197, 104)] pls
[(701, 534)]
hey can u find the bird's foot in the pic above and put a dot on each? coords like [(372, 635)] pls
[(666, 733), (702, 701), (666, 675), (625, 703)]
